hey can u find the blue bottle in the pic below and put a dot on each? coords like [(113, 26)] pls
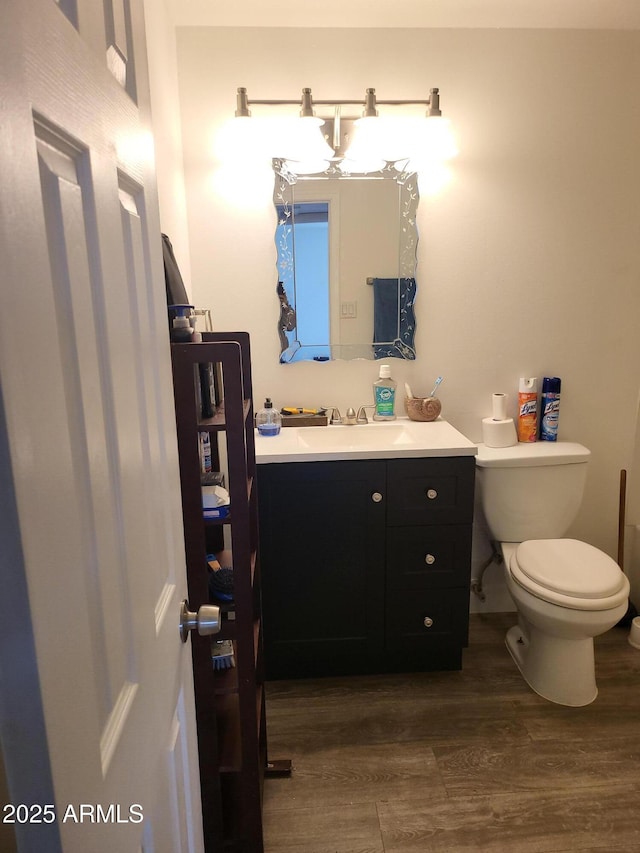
[(549, 408)]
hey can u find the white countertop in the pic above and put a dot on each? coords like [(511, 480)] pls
[(398, 439)]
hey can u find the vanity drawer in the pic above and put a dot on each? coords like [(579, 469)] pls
[(431, 557), (430, 491), (429, 619)]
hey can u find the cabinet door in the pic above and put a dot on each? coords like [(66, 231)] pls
[(322, 554)]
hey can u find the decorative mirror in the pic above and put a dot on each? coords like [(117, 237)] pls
[(346, 263)]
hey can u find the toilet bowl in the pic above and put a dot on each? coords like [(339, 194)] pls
[(566, 592)]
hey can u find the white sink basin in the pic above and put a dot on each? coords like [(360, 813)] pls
[(354, 437), (400, 438)]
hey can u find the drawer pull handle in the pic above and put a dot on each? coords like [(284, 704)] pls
[(376, 497), (431, 494), (429, 559), (427, 621)]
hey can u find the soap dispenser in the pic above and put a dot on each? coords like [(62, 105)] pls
[(268, 419)]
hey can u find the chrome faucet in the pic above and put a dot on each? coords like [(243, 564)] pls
[(362, 414), (334, 417), (350, 418)]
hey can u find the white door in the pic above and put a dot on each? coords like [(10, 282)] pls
[(96, 702)]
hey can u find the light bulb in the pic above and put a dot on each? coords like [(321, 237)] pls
[(243, 140), (307, 167), (302, 140), (361, 165), (434, 139)]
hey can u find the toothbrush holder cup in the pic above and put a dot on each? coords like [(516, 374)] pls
[(423, 408)]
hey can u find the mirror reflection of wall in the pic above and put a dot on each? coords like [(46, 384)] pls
[(368, 222), (309, 295)]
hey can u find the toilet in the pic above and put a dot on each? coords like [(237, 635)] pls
[(566, 592)]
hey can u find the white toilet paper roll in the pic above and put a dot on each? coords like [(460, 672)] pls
[(499, 407), (499, 433)]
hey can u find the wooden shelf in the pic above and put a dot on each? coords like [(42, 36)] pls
[(230, 703), (218, 422)]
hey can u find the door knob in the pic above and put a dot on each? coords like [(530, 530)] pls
[(206, 621), (376, 497)]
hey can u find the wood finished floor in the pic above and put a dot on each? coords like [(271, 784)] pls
[(457, 762)]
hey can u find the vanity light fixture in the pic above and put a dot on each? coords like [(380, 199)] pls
[(369, 104), (304, 143), (375, 139), (242, 104)]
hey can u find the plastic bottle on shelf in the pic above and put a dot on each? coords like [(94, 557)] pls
[(384, 395), (204, 447), (268, 419), (181, 328)]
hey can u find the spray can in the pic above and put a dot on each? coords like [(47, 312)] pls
[(528, 409), (549, 408)]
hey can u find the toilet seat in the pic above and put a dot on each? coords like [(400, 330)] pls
[(569, 573)]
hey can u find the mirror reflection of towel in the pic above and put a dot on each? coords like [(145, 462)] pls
[(393, 317), (386, 309)]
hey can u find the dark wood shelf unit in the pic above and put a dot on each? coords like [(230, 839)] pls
[(230, 703)]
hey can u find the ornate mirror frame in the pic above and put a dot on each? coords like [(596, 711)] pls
[(400, 343)]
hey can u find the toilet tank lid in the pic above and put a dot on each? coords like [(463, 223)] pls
[(530, 454)]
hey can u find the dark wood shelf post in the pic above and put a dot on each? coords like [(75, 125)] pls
[(230, 704)]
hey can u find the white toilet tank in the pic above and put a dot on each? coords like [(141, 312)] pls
[(532, 490)]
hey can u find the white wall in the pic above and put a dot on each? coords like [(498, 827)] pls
[(165, 112), (528, 262)]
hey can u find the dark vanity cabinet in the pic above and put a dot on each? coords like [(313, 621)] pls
[(366, 564)]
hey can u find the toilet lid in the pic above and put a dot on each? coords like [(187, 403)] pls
[(568, 567)]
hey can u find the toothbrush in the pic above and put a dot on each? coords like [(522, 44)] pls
[(435, 387), (407, 389)]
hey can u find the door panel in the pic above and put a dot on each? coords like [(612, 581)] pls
[(91, 528)]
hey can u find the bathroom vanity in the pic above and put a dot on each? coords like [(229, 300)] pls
[(365, 536)]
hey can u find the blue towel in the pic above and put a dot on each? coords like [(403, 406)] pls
[(393, 317), (386, 309)]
